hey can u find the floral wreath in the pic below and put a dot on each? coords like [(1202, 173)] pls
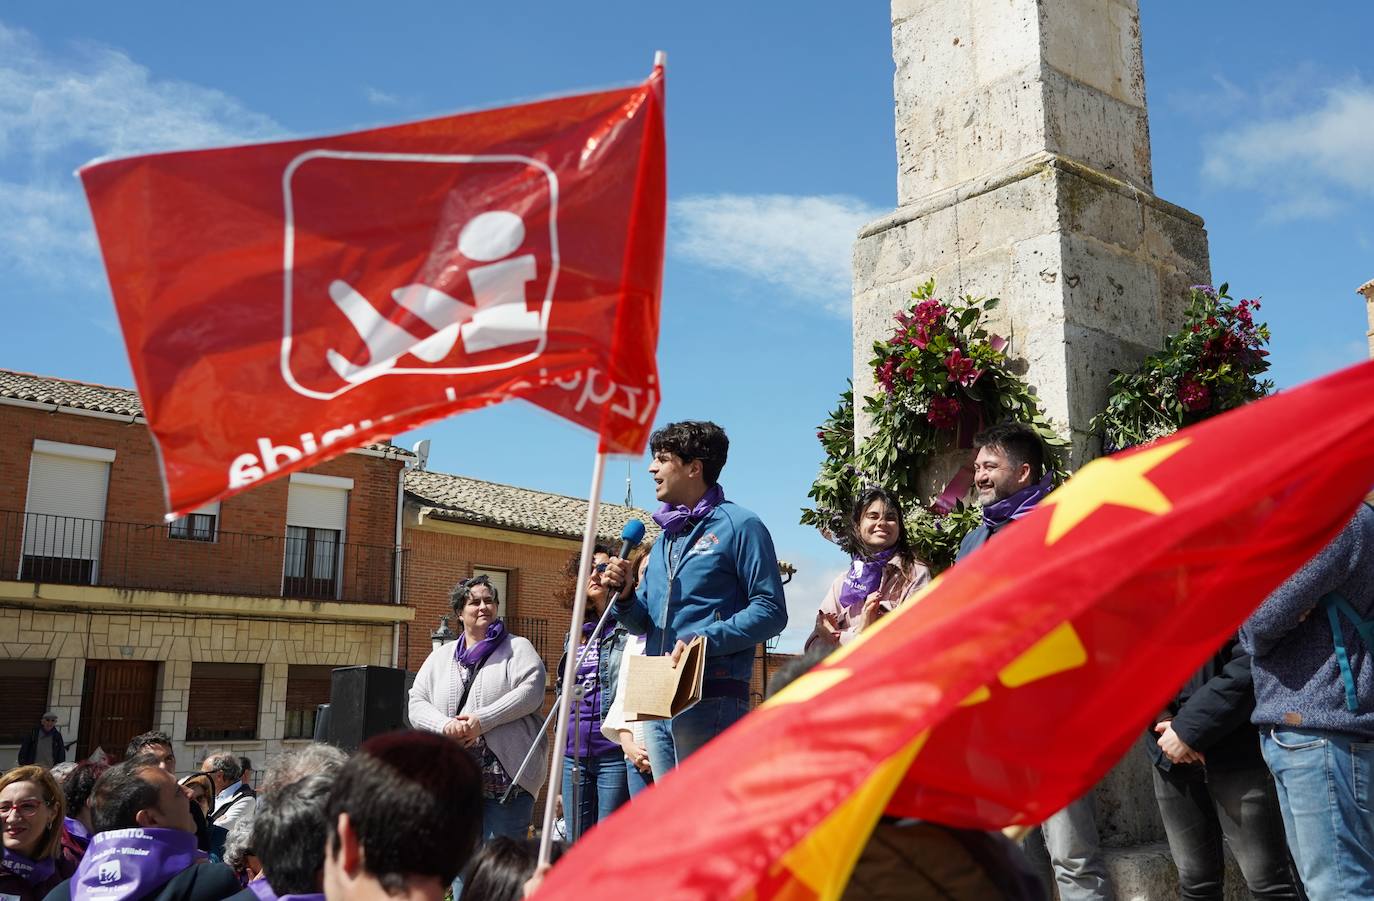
[(941, 377)]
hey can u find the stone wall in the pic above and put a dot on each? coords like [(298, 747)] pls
[(69, 639)]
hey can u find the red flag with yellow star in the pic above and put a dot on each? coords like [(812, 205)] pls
[(1016, 680)]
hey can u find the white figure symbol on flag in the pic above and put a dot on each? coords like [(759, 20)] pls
[(499, 316)]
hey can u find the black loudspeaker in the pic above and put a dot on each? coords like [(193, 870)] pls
[(364, 701)]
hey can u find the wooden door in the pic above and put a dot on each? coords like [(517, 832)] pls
[(116, 704)]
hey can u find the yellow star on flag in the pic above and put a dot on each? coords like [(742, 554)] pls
[(1110, 481)]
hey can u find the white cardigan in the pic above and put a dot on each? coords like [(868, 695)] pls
[(505, 699)]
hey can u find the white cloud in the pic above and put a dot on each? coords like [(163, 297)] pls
[(1304, 160), (59, 111), (380, 98), (799, 243), (804, 594)]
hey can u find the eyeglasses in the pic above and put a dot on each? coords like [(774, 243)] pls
[(26, 808), (599, 568)]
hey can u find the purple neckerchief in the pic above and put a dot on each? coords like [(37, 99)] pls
[(473, 656), (864, 577), (77, 830), (674, 520), (33, 872), (262, 889), (999, 513), (133, 863)]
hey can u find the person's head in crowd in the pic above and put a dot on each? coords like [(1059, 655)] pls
[(240, 847), (574, 572), (289, 832), (797, 667), (477, 604), (639, 562), (404, 815), (31, 812), (77, 788), (314, 759), (687, 460), (60, 770), (1010, 457), (48, 722), (224, 769), (877, 523), (200, 788), (158, 744), (501, 867), (246, 771), (139, 794)]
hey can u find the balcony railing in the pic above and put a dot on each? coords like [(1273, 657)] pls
[(199, 558)]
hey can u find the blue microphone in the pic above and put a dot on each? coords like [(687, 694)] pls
[(630, 537)]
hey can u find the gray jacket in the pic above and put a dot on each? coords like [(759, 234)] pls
[(1298, 682), (505, 699)]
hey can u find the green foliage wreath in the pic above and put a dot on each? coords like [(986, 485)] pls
[(941, 377)]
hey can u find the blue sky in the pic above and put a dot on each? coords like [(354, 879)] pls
[(780, 140)]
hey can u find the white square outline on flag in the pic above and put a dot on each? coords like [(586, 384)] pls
[(288, 253)]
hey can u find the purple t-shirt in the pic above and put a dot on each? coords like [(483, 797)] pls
[(584, 718)]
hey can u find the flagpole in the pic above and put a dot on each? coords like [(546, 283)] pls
[(560, 734)]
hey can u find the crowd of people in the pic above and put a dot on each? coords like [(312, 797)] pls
[(1268, 749)]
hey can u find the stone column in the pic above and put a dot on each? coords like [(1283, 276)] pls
[(1023, 155), (1367, 289), (1024, 173)]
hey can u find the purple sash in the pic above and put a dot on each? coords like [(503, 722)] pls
[(999, 513), (132, 863), (864, 577), (33, 872), (479, 652)]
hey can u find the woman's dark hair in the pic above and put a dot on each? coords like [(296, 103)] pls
[(414, 800), (692, 440), (459, 595), (499, 870), (566, 590), (79, 783), (856, 514)]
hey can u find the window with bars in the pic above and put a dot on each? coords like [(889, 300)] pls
[(223, 702), (312, 562), (307, 687)]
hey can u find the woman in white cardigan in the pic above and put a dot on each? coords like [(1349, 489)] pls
[(485, 691)]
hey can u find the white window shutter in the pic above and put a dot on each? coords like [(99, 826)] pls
[(317, 507), (65, 507)]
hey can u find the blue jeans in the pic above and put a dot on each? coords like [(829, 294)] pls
[(511, 820), (603, 788), (1323, 780), (669, 742), (637, 781)]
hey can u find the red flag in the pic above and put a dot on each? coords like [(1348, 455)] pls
[(1014, 681), (284, 302)]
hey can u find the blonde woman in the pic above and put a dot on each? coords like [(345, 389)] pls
[(31, 813)]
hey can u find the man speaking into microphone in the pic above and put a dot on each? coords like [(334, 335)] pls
[(714, 573)]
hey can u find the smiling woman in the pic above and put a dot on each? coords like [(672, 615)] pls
[(31, 812), (883, 570)]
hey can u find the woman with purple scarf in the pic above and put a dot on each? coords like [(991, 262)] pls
[(882, 572), (595, 781), (77, 786), (485, 691), (31, 814)]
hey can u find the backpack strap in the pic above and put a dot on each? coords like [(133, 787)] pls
[(1336, 606)]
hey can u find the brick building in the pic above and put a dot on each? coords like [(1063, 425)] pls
[(219, 628)]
